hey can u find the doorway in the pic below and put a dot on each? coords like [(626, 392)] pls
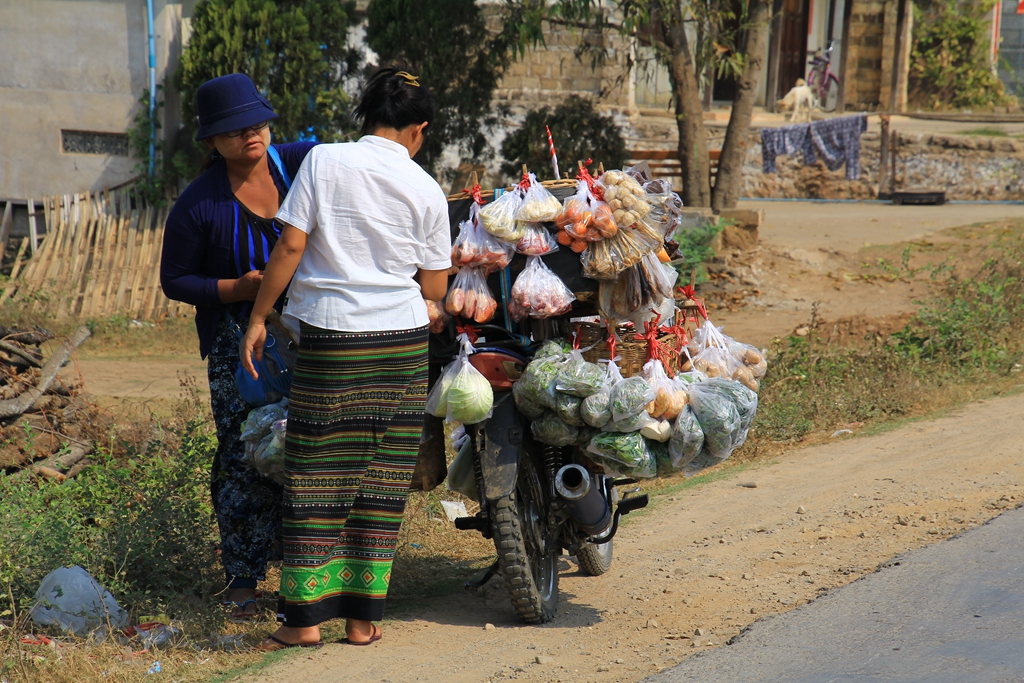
[(793, 47)]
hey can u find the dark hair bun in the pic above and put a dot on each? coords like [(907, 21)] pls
[(394, 98)]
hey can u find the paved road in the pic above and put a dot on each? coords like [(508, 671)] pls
[(952, 612)]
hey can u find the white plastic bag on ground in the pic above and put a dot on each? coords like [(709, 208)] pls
[(71, 599)]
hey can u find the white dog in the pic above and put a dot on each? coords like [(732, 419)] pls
[(800, 99)]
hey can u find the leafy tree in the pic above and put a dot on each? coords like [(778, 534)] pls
[(295, 51), (661, 25), (580, 132), (447, 44), (949, 64)]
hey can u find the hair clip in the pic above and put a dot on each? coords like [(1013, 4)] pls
[(409, 78)]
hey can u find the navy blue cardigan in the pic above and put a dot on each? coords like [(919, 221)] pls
[(199, 242)]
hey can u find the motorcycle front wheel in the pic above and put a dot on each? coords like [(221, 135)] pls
[(527, 558)]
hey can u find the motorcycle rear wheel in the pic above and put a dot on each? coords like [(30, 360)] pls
[(528, 561), (595, 560)]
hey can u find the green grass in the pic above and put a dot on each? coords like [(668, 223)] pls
[(985, 130)]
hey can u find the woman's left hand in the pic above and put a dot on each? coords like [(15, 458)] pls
[(252, 346)]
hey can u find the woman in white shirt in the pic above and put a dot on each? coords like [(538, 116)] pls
[(366, 237)]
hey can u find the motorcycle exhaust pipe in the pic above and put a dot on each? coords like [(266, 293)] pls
[(585, 501)]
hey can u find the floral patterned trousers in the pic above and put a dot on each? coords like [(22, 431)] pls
[(247, 505)]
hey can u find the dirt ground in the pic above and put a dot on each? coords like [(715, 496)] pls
[(707, 561)]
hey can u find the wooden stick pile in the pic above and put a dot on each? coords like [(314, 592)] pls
[(32, 404), (100, 257)]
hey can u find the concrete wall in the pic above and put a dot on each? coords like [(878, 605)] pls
[(74, 65)]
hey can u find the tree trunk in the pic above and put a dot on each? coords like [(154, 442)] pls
[(729, 179), (693, 141)]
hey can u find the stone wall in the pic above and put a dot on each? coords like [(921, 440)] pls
[(965, 167)]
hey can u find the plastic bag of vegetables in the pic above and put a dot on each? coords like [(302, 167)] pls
[(580, 377), (687, 439), (550, 429), (462, 393), (538, 381), (539, 205), (714, 402), (267, 456), (567, 407), (630, 397), (625, 453), (596, 409), (499, 217), (670, 396), (719, 355), (536, 241), (437, 315), (540, 292), (470, 297), (530, 409), (604, 260), (477, 248)]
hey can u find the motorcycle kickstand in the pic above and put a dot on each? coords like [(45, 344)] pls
[(474, 584)]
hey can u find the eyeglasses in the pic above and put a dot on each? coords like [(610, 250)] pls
[(239, 133)]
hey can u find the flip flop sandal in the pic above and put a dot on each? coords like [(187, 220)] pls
[(377, 635), (285, 646), (244, 617)]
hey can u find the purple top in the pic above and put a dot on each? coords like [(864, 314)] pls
[(211, 236)]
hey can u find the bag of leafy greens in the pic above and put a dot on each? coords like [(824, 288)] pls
[(579, 377), (551, 430)]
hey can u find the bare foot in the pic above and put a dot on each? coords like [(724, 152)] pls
[(244, 603), (358, 632), (287, 636)]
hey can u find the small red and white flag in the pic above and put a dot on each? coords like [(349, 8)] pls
[(554, 157)]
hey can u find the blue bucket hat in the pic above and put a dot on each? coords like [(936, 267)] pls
[(229, 103)]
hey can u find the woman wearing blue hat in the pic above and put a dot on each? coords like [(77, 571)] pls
[(366, 237), (218, 240)]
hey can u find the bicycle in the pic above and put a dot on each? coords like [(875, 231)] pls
[(824, 84)]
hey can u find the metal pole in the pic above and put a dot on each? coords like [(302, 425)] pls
[(152, 87)]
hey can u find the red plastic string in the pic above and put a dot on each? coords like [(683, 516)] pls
[(476, 193), (467, 330), (690, 292), (655, 349), (611, 341), (584, 175), (524, 182)]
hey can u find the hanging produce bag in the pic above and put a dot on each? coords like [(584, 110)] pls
[(579, 377), (670, 396), (718, 355), (625, 197), (539, 205), (725, 410), (537, 385), (470, 297), (637, 289), (477, 248), (499, 217), (437, 315), (462, 394), (687, 439), (596, 409), (624, 453), (604, 260), (550, 429), (539, 292), (537, 241)]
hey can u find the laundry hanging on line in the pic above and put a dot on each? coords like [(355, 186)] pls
[(836, 140)]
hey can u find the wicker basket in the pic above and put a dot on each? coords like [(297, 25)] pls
[(632, 352), (549, 184)]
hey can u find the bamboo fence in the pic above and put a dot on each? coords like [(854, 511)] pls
[(100, 257)]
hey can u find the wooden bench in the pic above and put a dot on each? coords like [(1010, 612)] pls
[(665, 163)]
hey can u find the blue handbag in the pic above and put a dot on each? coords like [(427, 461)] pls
[(275, 369)]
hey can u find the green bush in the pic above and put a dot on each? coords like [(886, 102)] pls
[(695, 249), (949, 63), (580, 132), (142, 525)]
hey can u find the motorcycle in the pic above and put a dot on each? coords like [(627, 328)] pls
[(536, 500)]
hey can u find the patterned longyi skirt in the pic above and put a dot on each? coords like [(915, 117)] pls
[(354, 424)]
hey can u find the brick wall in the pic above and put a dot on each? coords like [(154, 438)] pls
[(864, 57)]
